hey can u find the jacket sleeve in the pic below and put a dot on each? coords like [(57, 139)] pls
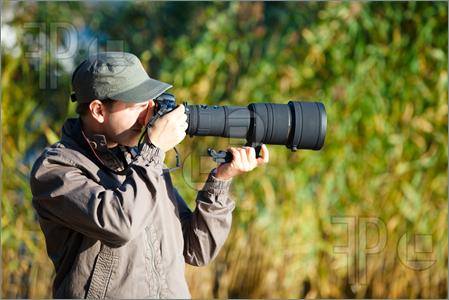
[(63, 193), (206, 228)]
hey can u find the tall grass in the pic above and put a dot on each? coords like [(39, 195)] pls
[(381, 71)]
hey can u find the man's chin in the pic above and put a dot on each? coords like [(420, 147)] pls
[(129, 142), (132, 143)]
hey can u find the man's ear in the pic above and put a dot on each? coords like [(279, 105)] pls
[(97, 110)]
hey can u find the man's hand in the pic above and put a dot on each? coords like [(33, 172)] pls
[(170, 129), (243, 160)]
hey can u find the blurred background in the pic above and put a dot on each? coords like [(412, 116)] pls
[(365, 217)]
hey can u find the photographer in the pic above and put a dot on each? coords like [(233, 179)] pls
[(114, 224)]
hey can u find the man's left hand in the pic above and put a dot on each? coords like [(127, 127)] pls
[(243, 160)]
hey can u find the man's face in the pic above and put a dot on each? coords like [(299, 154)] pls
[(123, 122)]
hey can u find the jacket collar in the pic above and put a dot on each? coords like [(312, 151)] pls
[(95, 146)]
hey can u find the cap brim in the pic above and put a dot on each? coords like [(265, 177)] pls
[(147, 90)]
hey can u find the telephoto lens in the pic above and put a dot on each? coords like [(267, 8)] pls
[(297, 125)]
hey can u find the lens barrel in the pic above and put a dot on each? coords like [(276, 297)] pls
[(297, 125)]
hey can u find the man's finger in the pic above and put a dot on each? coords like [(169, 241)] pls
[(180, 109), (235, 155), (147, 116), (243, 157), (184, 126), (264, 155), (251, 153)]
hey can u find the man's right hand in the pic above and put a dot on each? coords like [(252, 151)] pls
[(170, 129)]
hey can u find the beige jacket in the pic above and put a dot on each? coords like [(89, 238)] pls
[(122, 236)]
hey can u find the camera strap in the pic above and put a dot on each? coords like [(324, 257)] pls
[(145, 133)]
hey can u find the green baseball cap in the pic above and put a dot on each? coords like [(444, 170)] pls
[(114, 75)]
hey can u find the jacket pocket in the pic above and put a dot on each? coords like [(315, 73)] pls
[(105, 265)]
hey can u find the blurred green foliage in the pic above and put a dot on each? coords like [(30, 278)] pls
[(380, 69)]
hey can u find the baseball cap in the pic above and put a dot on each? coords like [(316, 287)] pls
[(114, 75)]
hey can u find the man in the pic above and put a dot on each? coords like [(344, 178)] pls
[(114, 225)]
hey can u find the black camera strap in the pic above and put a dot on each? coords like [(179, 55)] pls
[(145, 133)]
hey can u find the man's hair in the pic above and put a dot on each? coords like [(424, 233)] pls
[(83, 108)]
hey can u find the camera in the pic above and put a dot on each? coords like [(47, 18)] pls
[(297, 124)]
